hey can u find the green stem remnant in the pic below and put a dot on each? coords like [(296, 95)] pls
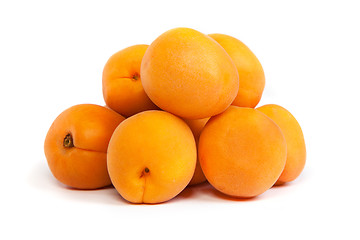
[(136, 77), (68, 141)]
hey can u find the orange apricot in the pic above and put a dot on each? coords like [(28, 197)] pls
[(251, 73), (196, 126), (121, 82), (76, 145), (296, 150), (187, 73), (151, 157), (242, 152)]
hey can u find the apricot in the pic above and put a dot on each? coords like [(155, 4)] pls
[(251, 73), (296, 150), (242, 152), (196, 127), (188, 74), (76, 145), (121, 82), (151, 157)]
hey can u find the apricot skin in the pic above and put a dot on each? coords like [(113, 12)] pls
[(121, 82), (76, 145), (196, 127), (242, 152), (188, 74), (296, 149), (151, 157), (251, 73)]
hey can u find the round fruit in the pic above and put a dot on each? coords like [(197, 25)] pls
[(122, 88), (188, 74), (242, 152), (151, 157), (76, 145), (296, 150), (251, 73)]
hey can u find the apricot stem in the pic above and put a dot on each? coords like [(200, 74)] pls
[(68, 141), (146, 170), (136, 77)]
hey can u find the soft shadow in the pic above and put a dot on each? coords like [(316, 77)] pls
[(284, 185), (212, 192), (298, 180), (190, 190), (199, 185), (84, 190), (186, 194)]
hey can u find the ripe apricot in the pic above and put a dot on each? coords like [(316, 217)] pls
[(296, 150), (196, 126), (251, 73), (121, 82), (242, 152), (76, 145), (188, 74), (151, 157)]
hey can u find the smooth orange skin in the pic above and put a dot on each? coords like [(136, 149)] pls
[(242, 152), (296, 149), (84, 165), (251, 73), (188, 74), (196, 127), (157, 141), (121, 82)]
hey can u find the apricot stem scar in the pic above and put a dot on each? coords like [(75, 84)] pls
[(135, 77), (146, 170), (68, 141)]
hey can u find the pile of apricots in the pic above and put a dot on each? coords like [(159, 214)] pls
[(180, 111)]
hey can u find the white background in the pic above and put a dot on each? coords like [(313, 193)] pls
[(52, 55)]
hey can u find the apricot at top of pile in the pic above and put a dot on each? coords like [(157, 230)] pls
[(187, 73)]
